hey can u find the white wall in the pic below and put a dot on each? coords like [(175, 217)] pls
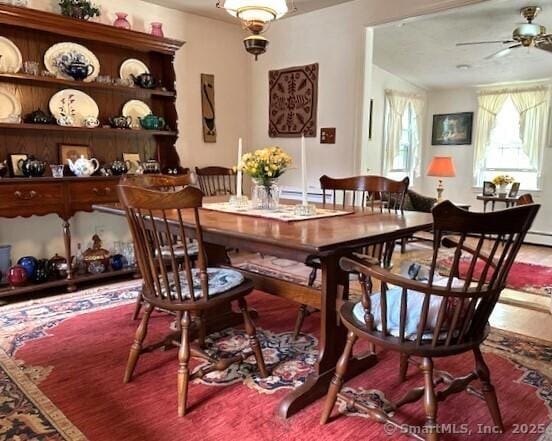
[(335, 38), (212, 47), (460, 188), (373, 148)]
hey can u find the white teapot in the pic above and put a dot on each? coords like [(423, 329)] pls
[(84, 167)]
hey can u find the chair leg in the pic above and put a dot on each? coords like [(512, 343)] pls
[(183, 359), (430, 400), (136, 347), (488, 389), (337, 380), (312, 277), (253, 340), (139, 301), (303, 311), (403, 370), (202, 334), (301, 314)]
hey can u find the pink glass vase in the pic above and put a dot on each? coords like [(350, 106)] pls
[(157, 29), (121, 21)]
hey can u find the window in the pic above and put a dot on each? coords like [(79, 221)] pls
[(511, 133), (505, 154), (401, 162)]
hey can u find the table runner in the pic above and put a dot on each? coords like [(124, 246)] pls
[(285, 213)]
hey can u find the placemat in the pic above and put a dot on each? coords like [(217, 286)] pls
[(285, 213)]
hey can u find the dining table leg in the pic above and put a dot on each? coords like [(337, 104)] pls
[(333, 335)]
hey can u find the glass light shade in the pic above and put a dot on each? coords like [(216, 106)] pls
[(528, 30), (442, 167), (262, 11)]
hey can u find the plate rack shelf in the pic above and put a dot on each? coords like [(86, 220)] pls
[(33, 32)]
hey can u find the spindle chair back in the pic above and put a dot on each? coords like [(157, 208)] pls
[(217, 181)]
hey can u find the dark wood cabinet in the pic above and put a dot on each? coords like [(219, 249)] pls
[(34, 32)]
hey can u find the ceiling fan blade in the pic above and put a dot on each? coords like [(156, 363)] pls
[(485, 42), (503, 52), (544, 42), (546, 48)]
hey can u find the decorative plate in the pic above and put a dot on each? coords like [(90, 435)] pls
[(10, 107), (136, 109), (67, 52), (134, 67), (73, 106), (11, 59)]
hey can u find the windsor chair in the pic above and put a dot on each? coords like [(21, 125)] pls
[(168, 184), (186, 291), (373, 193), (525, 199), (443, 316), (216, 181)]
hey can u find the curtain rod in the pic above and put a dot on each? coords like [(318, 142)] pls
[(513, 90), (404, 94)]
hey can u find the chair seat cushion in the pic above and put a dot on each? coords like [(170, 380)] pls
[(221, 280), (415, 301), (179, 250)]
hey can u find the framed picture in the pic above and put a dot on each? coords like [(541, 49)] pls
[(514, 190), (489, 188), (134, 162), (452, 129), (72, 152), (370, 118), (13, 163)]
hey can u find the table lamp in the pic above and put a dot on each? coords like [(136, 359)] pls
[(441, 167)]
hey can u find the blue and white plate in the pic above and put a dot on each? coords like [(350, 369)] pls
[(62, 53)]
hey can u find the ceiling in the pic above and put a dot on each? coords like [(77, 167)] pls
[(424, 51), (207, 8)]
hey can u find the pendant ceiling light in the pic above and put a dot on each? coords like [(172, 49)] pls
[(256, 16)]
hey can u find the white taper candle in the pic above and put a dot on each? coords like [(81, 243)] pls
[(304, 169), (239, 176)]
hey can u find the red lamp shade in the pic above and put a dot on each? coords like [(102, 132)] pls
[(441, 167)]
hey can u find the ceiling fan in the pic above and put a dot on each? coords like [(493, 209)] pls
[(525, 35)]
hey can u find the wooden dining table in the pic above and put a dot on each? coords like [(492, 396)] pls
[(327, 239)]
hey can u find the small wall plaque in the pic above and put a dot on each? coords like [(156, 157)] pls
[(327, 135)]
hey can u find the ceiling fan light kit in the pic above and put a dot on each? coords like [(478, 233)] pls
[(524, 35), (256, 16)]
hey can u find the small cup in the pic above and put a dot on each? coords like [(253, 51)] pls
[(103, 79), (13, 119), (57, 170), (31, 67)]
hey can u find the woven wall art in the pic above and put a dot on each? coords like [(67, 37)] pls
[(293, 101)]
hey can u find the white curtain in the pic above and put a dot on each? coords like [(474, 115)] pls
[(418, 105), (533, 107), (489, 106), (397, 103)]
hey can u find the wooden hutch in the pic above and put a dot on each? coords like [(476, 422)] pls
[(34, 32)]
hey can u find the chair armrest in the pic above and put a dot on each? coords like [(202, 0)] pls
[(352, 264)]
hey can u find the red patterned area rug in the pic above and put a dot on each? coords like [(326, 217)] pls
[(62, 363), (524, 276)]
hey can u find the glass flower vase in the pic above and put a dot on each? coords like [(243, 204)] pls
[(121, 21), (265, 194), (157, 29)]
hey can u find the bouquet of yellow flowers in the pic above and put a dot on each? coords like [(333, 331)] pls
[(503, 180), (265, 164)]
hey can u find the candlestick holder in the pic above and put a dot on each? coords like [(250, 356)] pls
[(239, 202), (305, 210)]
